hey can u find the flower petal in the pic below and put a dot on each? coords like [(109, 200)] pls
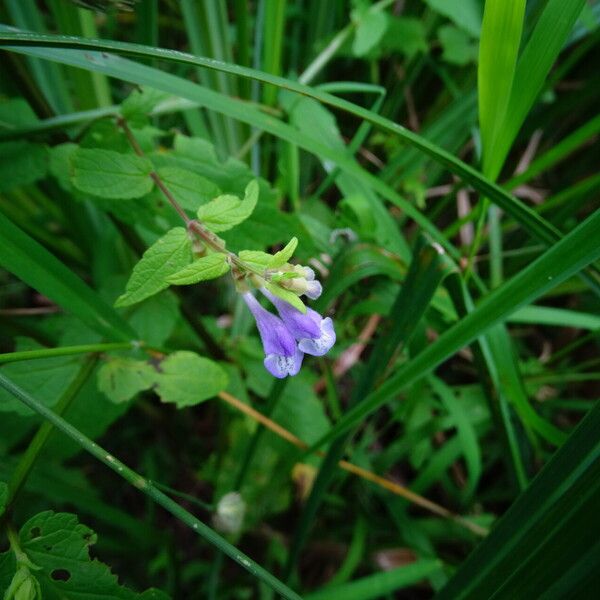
[(321, 345), (281, 366)]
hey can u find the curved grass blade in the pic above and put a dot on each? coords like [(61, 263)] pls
[(529, 219), (577, 249), (33, 264), (545, 545), (147, 488)]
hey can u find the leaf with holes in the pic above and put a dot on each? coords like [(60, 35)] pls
[(226, 212), (120, 378), (186, 379), (165, 257), (59, 545), (110, 174)]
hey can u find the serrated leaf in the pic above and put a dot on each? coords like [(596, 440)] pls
[(168, 255), (110, 174), (288, 296), (120, 378), (226, 211), (207, 267), (186, 379), (190, 189), (280, 258), (59, 545)]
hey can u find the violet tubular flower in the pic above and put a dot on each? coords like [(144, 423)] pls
[(314, 333), (283, 357)]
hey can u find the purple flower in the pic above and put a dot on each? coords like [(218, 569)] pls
[(315, 334), (283, 357)]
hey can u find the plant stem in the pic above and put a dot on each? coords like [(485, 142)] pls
[(147, 488), (66, 351)]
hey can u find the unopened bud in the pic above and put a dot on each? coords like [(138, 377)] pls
[(230, 513)]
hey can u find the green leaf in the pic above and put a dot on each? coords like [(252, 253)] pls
[(226, 212), (59, 545), (457, 47), (466, 14), (498, 52), (21, 163), (165, 257), (283, 256), (139, 104), (524, 556), (288, 296), (186, 379), (543, 47), (110, 174), (190, 189), (207, 267), (370, 29), (406, 35), (256, 259), (120, 379)]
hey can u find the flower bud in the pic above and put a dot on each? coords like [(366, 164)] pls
[(230, 513)]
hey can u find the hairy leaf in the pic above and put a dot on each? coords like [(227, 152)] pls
[(186, 379), (120, 379), (207, 267), (168, 255), (226, 212), (110, 174)]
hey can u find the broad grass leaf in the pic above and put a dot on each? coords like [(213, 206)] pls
[(122, 378), (202, 269), (110, 174), (168, 255), (186, 379), (226, 212)]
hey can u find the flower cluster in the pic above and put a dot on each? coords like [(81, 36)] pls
[(287, 337)]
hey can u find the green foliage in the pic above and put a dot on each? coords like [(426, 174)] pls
[(109, 174), (186, 379), (120, 378), (226, 212), (56, 546), (464, 309), (207, 267), (166, 257)]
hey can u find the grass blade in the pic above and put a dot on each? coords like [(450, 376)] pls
[(33, 264), (578, 249), (147, 488)]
